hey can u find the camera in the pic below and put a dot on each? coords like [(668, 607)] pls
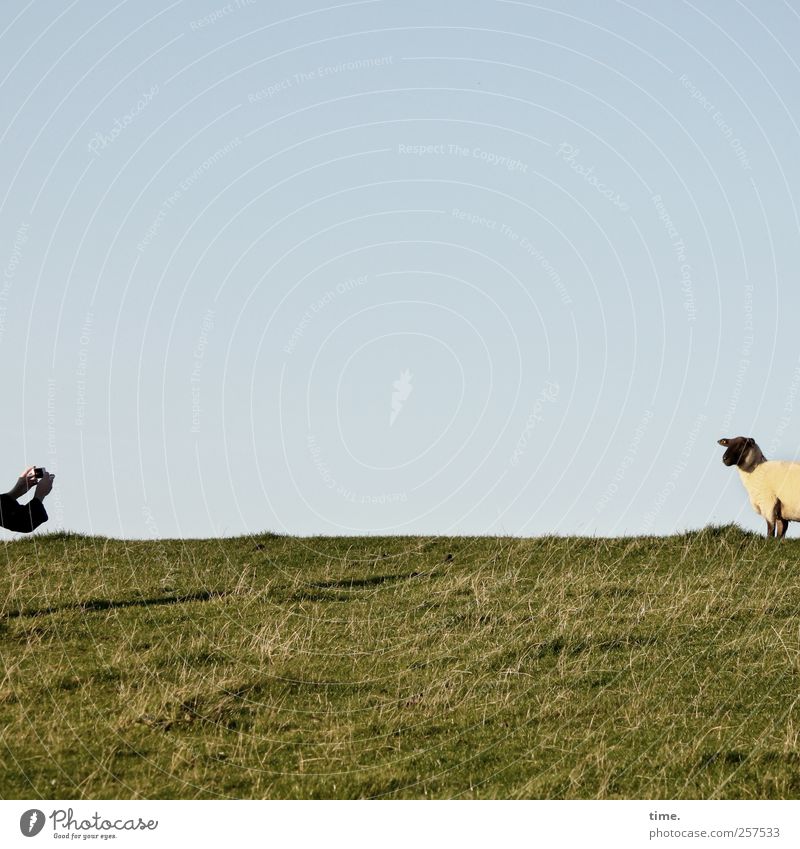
[(38, 472)]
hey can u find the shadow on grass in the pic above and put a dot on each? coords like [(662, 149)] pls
[(374, 580), (108, 604), (322, 591)]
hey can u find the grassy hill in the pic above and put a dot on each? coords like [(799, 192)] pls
[(270, 666)]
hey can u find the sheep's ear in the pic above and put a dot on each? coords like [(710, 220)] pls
[(722, 441), (749, 442)]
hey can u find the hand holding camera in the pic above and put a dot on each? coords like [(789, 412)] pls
[(44, 481), (37, 476), (24, 518)]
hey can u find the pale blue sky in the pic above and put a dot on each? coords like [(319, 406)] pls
[(563, 236)]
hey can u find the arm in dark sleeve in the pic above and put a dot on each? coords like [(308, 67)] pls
[(22, 518)]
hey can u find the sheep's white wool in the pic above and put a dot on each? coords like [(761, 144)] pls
[(773, 481)]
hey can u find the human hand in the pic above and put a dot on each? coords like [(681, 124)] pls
[(25, 481), (45, 485)]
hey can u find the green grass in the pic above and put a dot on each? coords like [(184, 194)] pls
[(273, 667)]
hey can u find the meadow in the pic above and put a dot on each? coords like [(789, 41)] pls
[(271, 666)]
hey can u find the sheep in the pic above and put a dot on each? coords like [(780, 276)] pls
[(773, 485)]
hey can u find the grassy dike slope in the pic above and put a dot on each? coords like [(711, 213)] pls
[(270, 666)]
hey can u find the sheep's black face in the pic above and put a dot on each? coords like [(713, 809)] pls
[(737, 448)]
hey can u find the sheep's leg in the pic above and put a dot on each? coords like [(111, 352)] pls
[(781, 524), (770, 529)]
